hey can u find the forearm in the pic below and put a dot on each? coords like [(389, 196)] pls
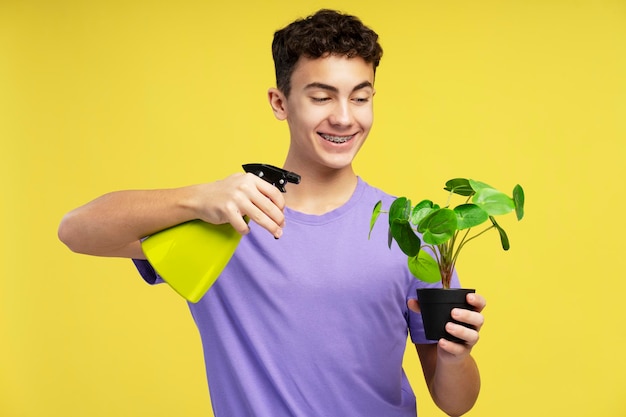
[(449, 370), (455, 384), (112, 225)]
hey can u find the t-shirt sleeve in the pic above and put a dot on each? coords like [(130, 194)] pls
[(416, 328), (147, 272)]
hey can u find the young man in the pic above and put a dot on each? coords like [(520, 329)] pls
[(310, 319)]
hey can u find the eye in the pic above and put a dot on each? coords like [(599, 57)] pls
[(320, 99), (361, 100)]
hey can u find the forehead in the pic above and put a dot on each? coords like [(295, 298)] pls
[(337, 71)]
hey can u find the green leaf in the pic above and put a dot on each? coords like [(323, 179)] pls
[(375, 214), (518, 198), (478, 185), (424, 267), (494, 202), (504, 239), (438, 227), (421, 210), (400, 209), (406, 238), (459, 186), (469, 215)]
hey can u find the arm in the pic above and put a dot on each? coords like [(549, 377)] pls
[(450, 372), (113, 224)]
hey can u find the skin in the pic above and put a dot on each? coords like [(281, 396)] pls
[(450, 371), (331, 98)]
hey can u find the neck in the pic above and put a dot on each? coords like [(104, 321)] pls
[(320, 190)]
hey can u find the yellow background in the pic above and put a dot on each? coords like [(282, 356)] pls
[(103, 95)]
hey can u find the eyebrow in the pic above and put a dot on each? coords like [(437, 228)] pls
[(364, 84)]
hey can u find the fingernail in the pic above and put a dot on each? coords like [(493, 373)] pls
[(278, 234)]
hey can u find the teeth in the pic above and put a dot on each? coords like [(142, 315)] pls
[(336, 139)]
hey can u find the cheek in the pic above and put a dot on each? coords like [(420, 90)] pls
[(366, 118), (305, 116)]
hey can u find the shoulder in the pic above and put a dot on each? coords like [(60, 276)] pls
[(374, 193)]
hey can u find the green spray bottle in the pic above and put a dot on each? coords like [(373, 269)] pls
[(190, 256)]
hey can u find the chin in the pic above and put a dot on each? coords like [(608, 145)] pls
[(338, 163)]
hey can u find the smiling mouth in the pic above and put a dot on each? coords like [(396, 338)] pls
[(336, 139)]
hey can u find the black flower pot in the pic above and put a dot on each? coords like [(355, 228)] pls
[(436, 305)]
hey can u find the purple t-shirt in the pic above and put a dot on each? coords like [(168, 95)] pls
[(313, 324)]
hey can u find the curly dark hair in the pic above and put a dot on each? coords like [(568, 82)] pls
[(323, 33)]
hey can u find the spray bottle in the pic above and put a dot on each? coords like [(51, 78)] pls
[(191, 255)]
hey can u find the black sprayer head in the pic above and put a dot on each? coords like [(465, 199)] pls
[(278, 177)]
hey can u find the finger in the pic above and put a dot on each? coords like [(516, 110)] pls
[(238, 222), (413, 305), (258, 216), (473, 318), (267, 190), (477, 301), (470, 336), (270, 206), (258, 200), (453, 348), (271, 192), (266, 214)]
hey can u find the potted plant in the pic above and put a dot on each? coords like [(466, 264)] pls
[(432, 237)]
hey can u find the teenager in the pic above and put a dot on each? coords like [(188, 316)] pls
[(309, 318)]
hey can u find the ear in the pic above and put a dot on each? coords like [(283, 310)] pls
[(278, 101)]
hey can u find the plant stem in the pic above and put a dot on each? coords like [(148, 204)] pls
[(474, 237), (449, 255), (458, 250)]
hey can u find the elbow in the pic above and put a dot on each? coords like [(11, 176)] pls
[(459, 402), (457, 412), (68, 233)]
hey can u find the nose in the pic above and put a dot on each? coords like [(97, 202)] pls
[(341, 114)]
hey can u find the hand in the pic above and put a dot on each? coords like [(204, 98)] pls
[(228, 200), (471, 336)]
